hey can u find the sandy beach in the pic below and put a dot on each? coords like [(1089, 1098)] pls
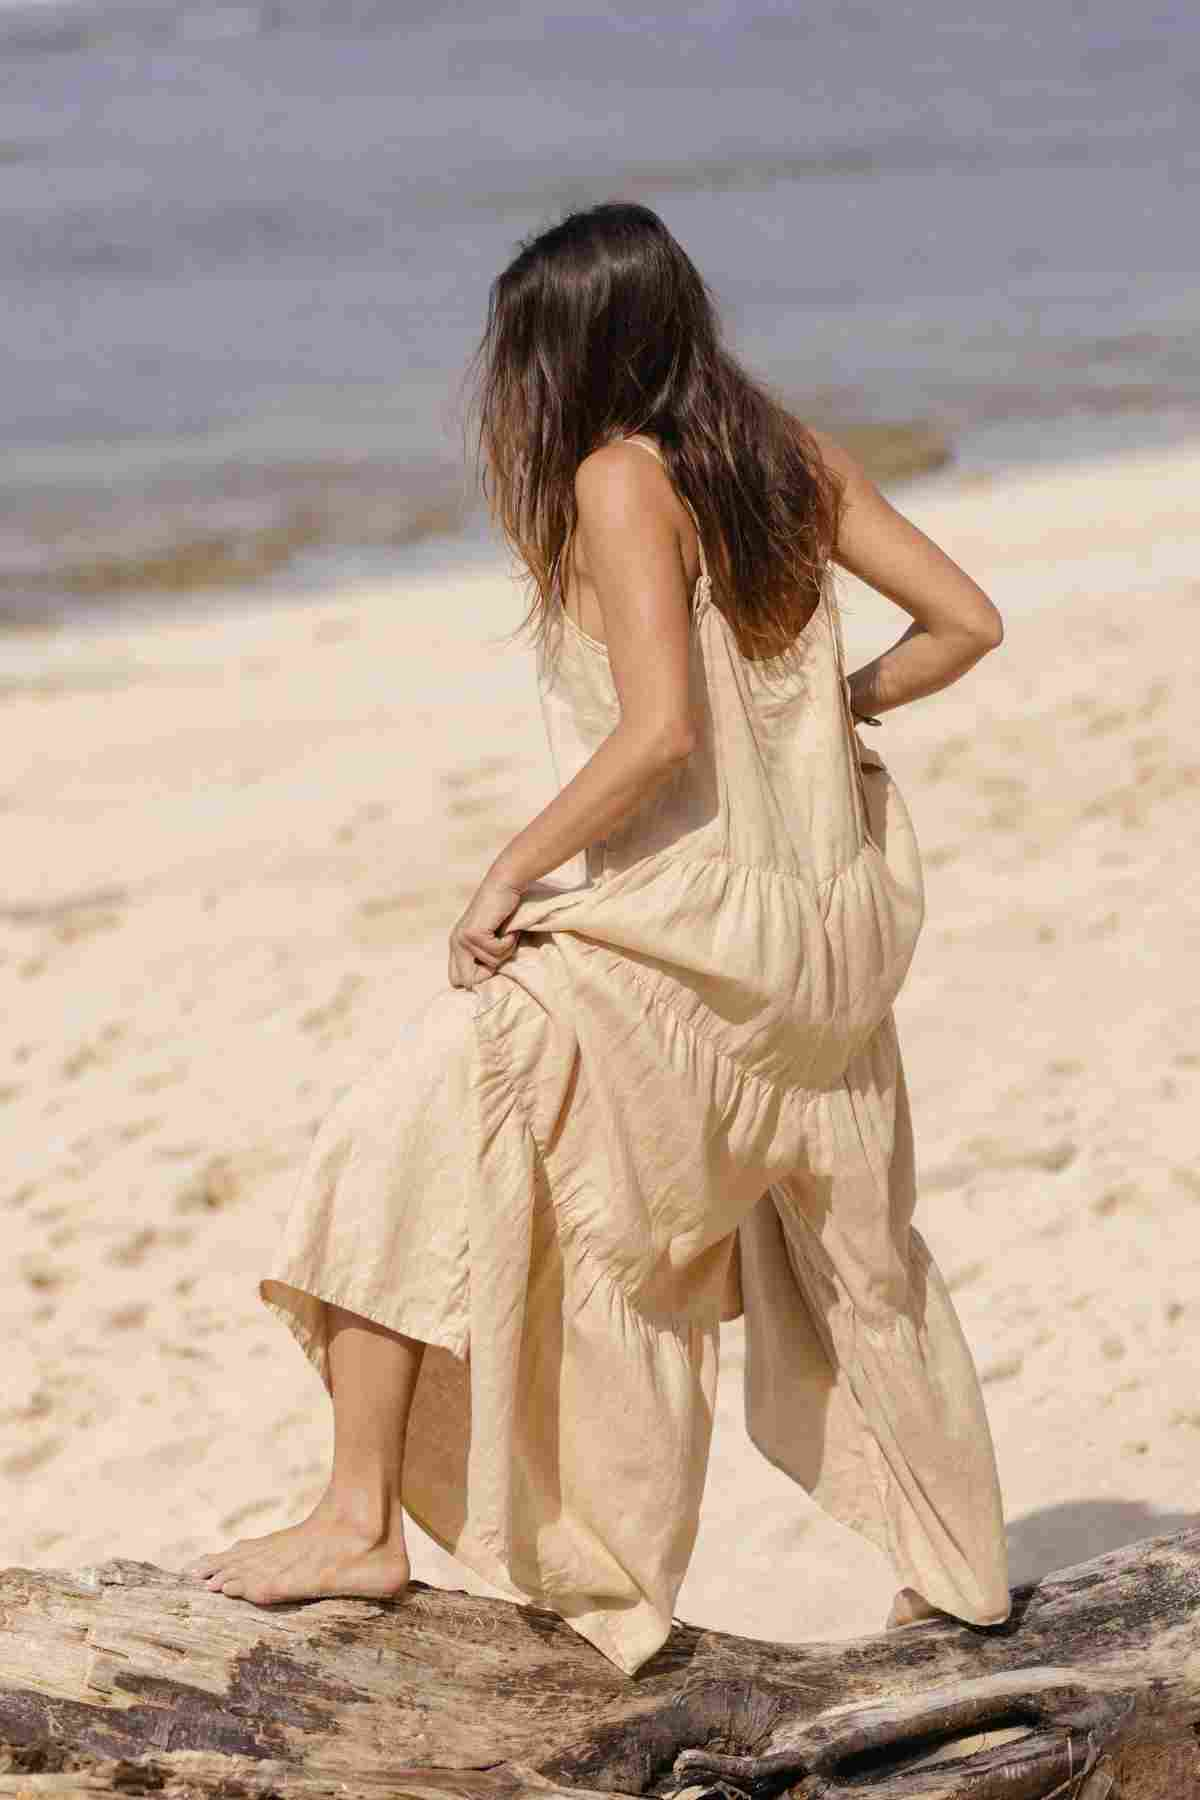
[(234, 845)]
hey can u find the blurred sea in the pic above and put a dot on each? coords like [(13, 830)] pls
[(246, 248)]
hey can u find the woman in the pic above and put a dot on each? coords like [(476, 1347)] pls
[(662, 1089)]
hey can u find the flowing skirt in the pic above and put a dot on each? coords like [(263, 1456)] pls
[(560, 1433)]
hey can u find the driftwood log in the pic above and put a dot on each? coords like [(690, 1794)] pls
[(127, 1679)]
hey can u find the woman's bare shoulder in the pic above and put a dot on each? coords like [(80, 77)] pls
[(619, 471), (619, 487), (837, 457)]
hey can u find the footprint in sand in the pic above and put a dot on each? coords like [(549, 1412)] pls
[(159, 1079), (133, 1251), (290, 1423), (156, 1469), (1123, 1198), (127, 1318), (90, 1149), (97, 1052), (251, 1510), (484, 770), (388, 920), (947, 1177), (1002, 1369), (1009, 801), (947, 759), (64, 914), (372, 814), (86, 923), (468, 806), (995, 1153), (25, 1462), (229, 1177), (213, 1188), (46, 1277), (133, 1129), (332, 1019), (475, 795)]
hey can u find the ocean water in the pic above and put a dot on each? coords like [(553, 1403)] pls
[(247, 247)]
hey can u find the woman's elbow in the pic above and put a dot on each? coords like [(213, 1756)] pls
[(670, 743), (990, 631)]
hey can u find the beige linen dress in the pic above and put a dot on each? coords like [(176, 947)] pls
[(680, 1100)]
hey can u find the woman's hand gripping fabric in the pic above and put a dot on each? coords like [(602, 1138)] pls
[(477, 946)]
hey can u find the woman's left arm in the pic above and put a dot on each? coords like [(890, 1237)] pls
[(954, 622), (629, 545)]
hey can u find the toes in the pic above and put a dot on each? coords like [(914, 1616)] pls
[(207, 1564), (228, 1561), (203, 1565), (218, 1568), (240, 1577), (244, 1587), (227, 1581)]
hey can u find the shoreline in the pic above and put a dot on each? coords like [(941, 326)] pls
[(235, 540), (103, 647), (280, 526)]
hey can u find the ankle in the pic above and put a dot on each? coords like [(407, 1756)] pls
[(367, 1510)]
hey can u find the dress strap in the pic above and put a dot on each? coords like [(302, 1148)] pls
[(645, 444), (834, 615)]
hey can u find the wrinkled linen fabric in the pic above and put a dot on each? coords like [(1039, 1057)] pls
[(680, 1101)]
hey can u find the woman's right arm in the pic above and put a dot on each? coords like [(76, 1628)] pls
[(954, 621), (629, 535)]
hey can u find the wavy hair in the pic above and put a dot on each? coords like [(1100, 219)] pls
[(601, 326)]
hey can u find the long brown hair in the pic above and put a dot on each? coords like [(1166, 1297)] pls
[(601, 326)]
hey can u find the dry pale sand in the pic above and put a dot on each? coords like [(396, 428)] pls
[(233, 847)]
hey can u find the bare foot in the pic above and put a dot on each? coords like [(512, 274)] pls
[(317, 1559), (908, 1608)]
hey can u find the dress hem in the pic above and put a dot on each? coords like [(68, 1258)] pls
[(592, 1624), (332, 1296)]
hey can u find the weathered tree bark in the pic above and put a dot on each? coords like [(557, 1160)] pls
[(127, 1679)]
